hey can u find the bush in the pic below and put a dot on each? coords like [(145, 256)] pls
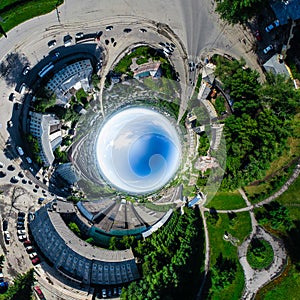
[(260, 254)]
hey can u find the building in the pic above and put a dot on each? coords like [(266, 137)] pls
[(47, 130), (77, 75), (286, 10), (67, 172), (151, 69), (74, 258), (276, 66)]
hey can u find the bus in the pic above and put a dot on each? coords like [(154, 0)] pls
[(46, 69)]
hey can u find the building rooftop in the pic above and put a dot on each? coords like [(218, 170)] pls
[(285, 10), (65, 207), (81, 247), (273, 65)]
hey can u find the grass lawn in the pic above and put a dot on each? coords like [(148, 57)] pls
[(14, 14), (287, 286), (292, 195), (239, 227), (227, 200)]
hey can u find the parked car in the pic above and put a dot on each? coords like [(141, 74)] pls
[(21, 214), (51, 43), (39, 292), (15, 179), (35, 261), (2, 165), (104, 295), (10, 123), (272, 26), (28, 159), (27, 243), (6, 236), (257, 35), (5, 225), (29, 249), (41, 200), (22, 237), (127, 30), (12, 97), (109, 28), (79, 35), (32, 255), (20, 150), (268, 49), (26, 70), (143, 30), (21, 232)]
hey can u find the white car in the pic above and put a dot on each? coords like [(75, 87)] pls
[(20, 150), (32, 255), (268, 49), (109, 28), (22, 237), (21, 232), (26, 70), (2, 165)]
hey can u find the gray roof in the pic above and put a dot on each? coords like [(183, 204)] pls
[(284, 12), (273, 65), (65, 207), (85, 249)]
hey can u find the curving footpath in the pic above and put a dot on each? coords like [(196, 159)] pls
[(254, 279)]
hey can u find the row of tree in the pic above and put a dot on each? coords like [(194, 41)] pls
[(171, 260), (257, 131)]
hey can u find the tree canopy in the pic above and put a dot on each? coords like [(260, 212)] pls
[(239, 11), (257, 131)]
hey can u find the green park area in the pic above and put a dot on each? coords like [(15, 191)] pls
[(227, 200), (15, 12), (227, 277), (282, 219)]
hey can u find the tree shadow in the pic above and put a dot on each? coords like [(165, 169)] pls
[(11, 68), (292, 244)]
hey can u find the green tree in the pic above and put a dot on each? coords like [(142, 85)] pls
[(239, 11), (74, 227), (21, 288)]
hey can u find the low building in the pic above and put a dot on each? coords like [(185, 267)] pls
[(77, 75), (151, 69), (74, 258), (47, 130), (276, 66)]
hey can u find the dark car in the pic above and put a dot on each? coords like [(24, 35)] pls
[(5, 225), (40, 200), (127, 30)]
